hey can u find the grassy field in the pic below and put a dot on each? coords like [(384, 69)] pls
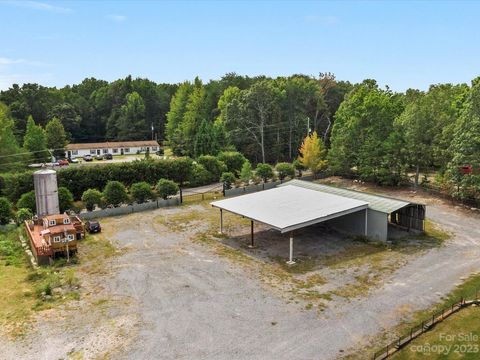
[(458, 337), (26, 290), (449, 335)]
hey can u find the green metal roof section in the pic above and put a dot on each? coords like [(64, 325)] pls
[(375, 202)]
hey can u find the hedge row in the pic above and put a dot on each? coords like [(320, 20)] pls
[(183, 171), (80, 178)]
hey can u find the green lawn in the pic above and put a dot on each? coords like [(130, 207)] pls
[(457, 337), (451, 332)]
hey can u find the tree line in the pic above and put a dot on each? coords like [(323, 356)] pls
[(367, 131)]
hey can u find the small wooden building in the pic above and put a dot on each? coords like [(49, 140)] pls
[(54, 234)]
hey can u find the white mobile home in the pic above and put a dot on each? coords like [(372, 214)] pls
[(114, 148)]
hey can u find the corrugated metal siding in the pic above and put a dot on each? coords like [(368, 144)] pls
[(375, 202)]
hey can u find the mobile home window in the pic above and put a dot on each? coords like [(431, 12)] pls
[(105, 151), (127, 150), (92, 152), (154, 148), (66, 221), (74, 152), (56, 239), (115, 151), (52, 223)]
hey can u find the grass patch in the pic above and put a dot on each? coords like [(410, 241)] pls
[(25, 290), (453, 338), (466, 290), (434, 232)]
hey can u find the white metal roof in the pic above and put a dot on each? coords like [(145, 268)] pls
[(290, 207), (376, 202)]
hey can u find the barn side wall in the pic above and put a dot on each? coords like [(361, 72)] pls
[(377, 225), (353, 223)]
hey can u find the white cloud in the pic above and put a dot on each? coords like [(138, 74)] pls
[(36, 5), (116, 17), (7, 61), (4, 62), (326, 20)]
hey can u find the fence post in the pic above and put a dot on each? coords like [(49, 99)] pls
[(223, 189), (181, 196)]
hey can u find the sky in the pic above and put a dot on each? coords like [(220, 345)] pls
[(402, 44)]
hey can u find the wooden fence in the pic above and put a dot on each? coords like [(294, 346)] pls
[(424, 326)]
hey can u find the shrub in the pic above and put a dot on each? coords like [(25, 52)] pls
[(141, 191), (233, 160), (22, 215), (115, 193), (5, 211), (285, 170), (27, 201), (298, 166), (265, 171), (65, 199), (166, 188), (214, 166), (228, 179), (246, 173), (200, 176), (90, 198)]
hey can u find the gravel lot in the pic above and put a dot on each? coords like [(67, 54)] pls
[(173, 296)]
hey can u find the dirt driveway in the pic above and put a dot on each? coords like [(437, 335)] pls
[(192, 295)]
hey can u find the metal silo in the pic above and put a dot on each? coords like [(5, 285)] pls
[(46, 192)]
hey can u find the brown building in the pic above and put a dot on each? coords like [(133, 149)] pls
[(54, 234)]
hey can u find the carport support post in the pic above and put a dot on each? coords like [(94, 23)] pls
[(290, 261), (366, 222), (221, 221), (252, 241)]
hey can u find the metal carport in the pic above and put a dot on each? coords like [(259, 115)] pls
[(291, 207)]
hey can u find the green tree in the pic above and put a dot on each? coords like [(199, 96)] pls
[(227, 179), (206, 140), (9, 150), (265, 171), (465, 146), (22, 215), (246, 172), (115, 193), (312, 154), (141, 191), (363, 124), (35, 141), (65, 199), (91, 198), (56, 137), (5, 211), (27, 201), (68, 116), (285, 170), (233, 160), (214, 166), (297, 164), (178, 107), (131, 122), (167, 188)]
